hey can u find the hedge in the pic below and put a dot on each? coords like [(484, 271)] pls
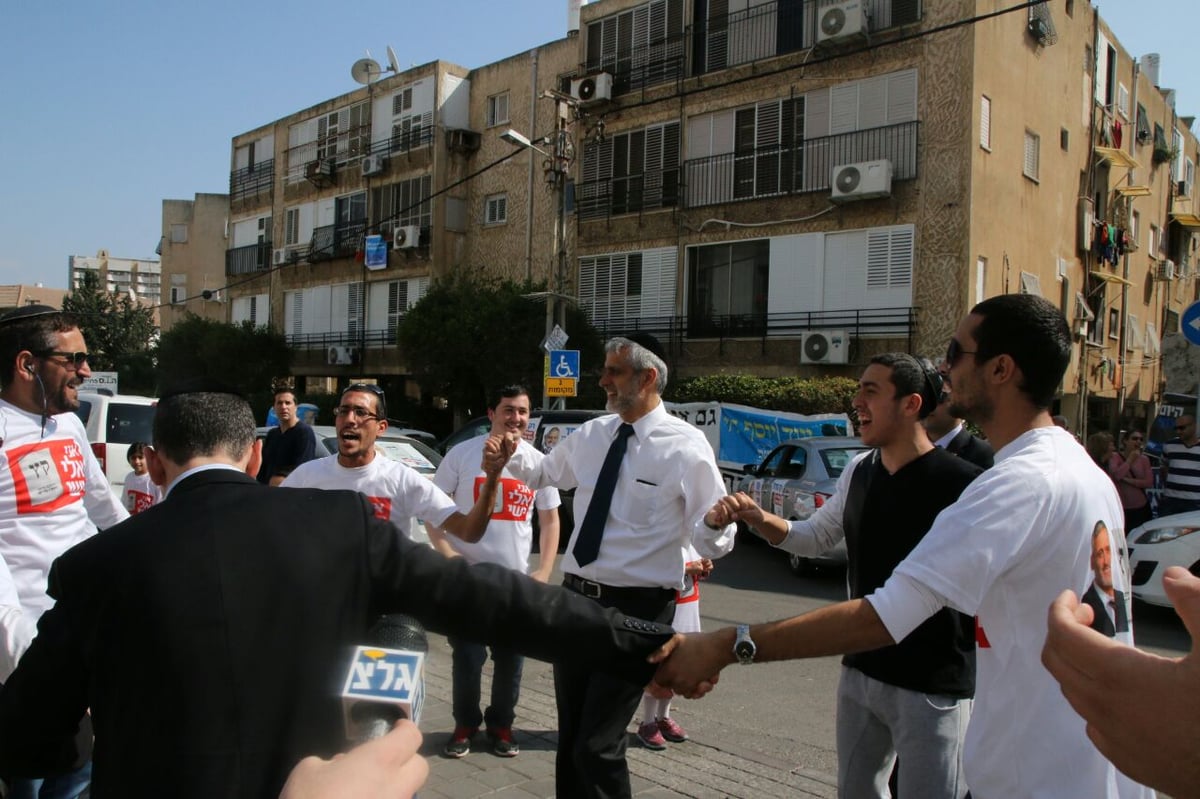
[(792, 394)]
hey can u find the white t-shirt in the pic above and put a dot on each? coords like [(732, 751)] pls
[(509, 535), (140, 493), (398, 493), (1019, 535)]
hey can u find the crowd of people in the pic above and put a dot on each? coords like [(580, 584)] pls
[(986, 641)]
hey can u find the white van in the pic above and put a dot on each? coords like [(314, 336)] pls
[(113, 422)]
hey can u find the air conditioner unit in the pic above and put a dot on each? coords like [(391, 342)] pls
[(462, 140), (406, 237), (279, 257), (373, 165), (862, 181), (1164, 270), (339, 355), (593, 88), (837, 19), (824, 346), (321, 168)]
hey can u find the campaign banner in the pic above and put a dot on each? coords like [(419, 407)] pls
[(749, 434)]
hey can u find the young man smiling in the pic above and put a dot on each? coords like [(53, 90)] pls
[(397, 492)]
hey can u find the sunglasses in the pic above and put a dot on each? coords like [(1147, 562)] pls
[(954, 352), (74, 359)]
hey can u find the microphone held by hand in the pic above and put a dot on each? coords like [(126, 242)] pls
[(385, 680)]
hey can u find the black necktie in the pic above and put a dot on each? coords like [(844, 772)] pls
[(587, 545)]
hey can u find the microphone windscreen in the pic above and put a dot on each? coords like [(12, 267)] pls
[(398, 631)]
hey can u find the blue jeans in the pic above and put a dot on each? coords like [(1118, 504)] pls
[(63, 786), (469, 658)]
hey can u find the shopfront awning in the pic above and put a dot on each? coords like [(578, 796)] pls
[(1108, 278)]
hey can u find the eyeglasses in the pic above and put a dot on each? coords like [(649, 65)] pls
[(74, 359), (370, 388), (357, 411), (954, 352)]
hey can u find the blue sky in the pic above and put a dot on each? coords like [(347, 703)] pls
[(115, 106)]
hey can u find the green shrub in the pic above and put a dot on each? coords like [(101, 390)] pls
[(791, 394)]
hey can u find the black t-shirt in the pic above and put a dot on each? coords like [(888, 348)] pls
[(939, 656), (284, 450)]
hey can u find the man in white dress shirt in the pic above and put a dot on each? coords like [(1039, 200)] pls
[(666, 483)]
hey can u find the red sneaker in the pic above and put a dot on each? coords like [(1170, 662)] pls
[(503, 744), (460, 742), (650, 737), (671, 730)]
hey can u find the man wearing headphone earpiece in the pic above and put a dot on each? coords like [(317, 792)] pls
[(948, 432), (912, 699), (53, 491)]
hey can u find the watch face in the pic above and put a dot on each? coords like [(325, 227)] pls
[(744, 650)]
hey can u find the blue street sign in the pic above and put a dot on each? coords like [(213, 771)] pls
[(1190, 323), (564, 363)]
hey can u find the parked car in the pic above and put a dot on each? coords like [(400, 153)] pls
[(1157, 544), (795, 479), (549, 427), (113, 422), (397, 447)]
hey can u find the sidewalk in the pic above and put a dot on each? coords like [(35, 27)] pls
[(698, 768)]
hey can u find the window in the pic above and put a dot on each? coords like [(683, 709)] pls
[(1123, 100), (1114, 323), (1064, 139), (640, 47), (291, 227), (412, 117), (1033, 144), (1152, 344), (630, 172), (388, 302), (495, 209), (497, 109), (1031, 284), (345, 133), (1133, 333), (1135, 228), (728, 280), (632, 285), (985, 122), (403, 203), (980, 279), (1189, 176), (178, 294), (1152, 243), (179, 234), (254, 309)]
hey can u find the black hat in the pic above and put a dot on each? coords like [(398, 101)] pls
[(650, 342), (28, 312), (200, 385)]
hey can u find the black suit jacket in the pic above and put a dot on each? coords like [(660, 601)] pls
[(1101, 623), (210, 634), (972, 449)]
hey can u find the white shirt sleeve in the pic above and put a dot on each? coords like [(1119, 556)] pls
[(821, 531), (703, 488), (17, 629), (903, 604)]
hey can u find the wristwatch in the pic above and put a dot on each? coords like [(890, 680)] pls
[(743, 647)]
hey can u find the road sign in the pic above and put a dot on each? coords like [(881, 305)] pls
[(556, 340), (561, 386), (564, 363), (1190, 323)]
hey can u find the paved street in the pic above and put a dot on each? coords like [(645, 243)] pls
[(767, 731)]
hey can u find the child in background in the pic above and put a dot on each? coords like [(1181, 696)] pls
[(657, 726), (140, 492)]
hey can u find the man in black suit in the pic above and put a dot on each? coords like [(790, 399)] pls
[(209, 634), (947, 431), (1109, 613)]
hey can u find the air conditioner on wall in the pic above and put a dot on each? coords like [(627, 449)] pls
[(279, 257), (406, 237), (824, 346), (861, 181), (373, 165), (1164, 270), (339, 355), (837, 19), (592, 88)]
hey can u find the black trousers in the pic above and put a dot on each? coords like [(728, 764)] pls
[(594, 711)]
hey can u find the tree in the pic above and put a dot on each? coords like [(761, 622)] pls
[(470, 335), (119, 332), (246, 357)]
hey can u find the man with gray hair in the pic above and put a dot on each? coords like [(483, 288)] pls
[(207, 634), (647, 481)]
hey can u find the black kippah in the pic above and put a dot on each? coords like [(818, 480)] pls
[(27, 312), (650, 342), (200, 385)]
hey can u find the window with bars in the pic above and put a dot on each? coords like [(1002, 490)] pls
[(497, 109), (344, 133), (631, 172), (495, 209), (640, 47), (403, 203)]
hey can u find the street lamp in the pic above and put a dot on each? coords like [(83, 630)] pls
[(557, 167)]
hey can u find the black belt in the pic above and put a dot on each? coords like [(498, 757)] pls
[(598, 590)]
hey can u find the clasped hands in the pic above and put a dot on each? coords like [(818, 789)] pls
[(497, 450)]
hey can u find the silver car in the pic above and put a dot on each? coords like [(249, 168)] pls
[(796, 478)]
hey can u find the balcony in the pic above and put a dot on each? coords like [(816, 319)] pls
[(752, 34), (640, 68), (674, 330), (806, 166), (597, 199), (252, 180), (248, 260), (342, 240), (403, 141), (350, 338)]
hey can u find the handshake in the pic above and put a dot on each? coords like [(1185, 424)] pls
[(497, 450)]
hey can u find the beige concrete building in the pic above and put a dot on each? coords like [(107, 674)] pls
[(13, 297), (773, 188), (192, 249), (139, 279)]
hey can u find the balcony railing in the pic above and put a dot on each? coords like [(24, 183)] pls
[(751, 34), (793, 169), (403, 142), (626, 195), (336, 241), (249, 259), (251, 180), (642, 67), (356, 338), (674, 330)]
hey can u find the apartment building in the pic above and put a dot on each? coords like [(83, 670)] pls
[(790, 187), (135, 277), (192, 249)]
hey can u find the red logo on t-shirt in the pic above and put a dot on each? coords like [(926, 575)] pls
[(514, 499), (138, 500), (382, 506), (981, 639), (47, 475)]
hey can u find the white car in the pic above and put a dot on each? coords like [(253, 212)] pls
[(1157, 544), (113, 422)]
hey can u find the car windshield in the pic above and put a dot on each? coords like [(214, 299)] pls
[(411, 453), (838, 458)]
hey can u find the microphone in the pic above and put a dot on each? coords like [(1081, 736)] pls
[(385, 682)]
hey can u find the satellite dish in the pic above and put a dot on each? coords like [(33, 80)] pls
[(393, 64), (365, 71)]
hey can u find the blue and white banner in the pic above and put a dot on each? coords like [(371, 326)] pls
[(740, 434)]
